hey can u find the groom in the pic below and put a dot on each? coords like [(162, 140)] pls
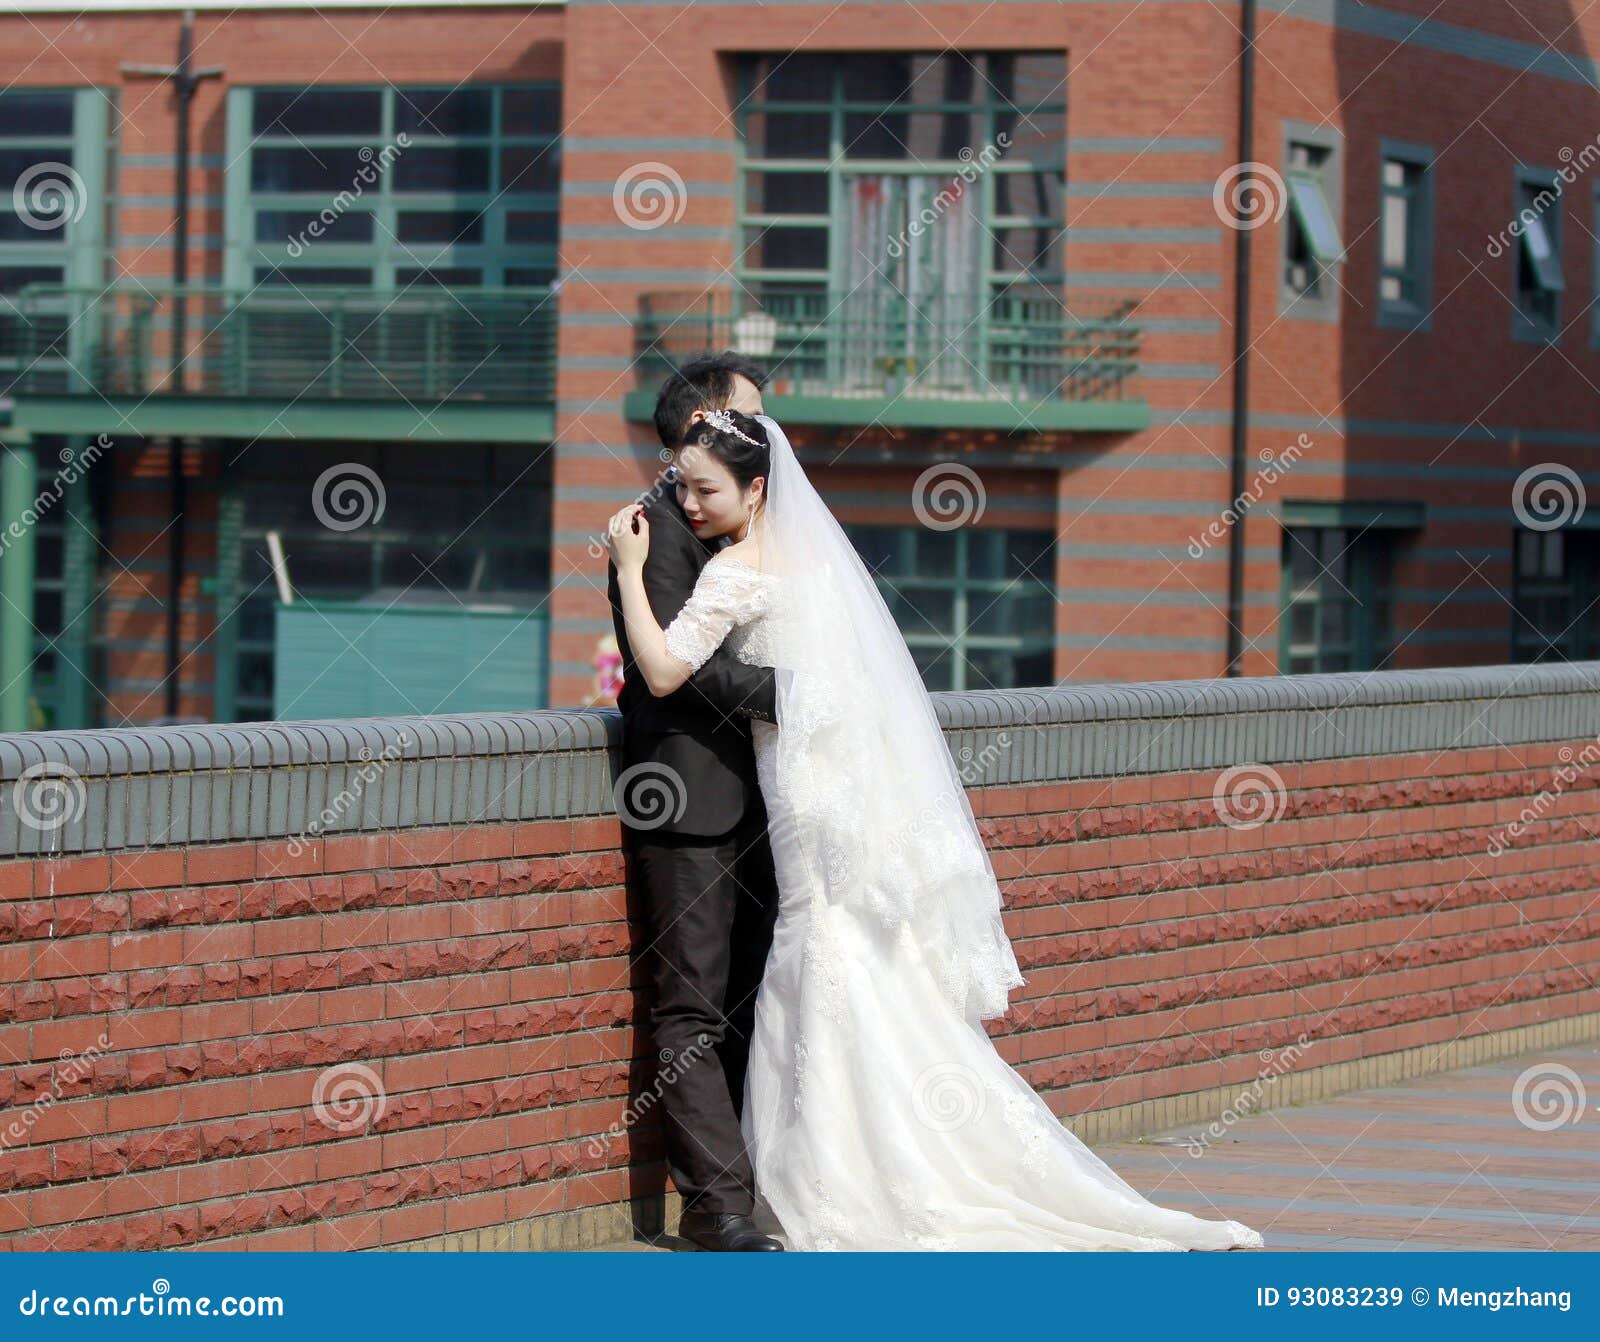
[(695, 833)]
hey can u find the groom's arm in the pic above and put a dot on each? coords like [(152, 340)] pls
[(727, 684)]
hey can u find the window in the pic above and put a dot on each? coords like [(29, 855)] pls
[(888, 201), (1537, 256), (1337, 599), (1555, 595), (47, 219), (976, 605), (1405, 236), (470, 199), (470, 524), (1311, 242)]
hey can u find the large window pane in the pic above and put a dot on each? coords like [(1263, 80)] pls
[(525, 168), (788, 135), (303, 112), (790, 78), (36, 112), (444, 111), (525, 111), (326, 170), (353, 226), (441, 168), (786, 192), (786, 249)]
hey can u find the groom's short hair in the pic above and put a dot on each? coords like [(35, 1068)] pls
[(704, 383)]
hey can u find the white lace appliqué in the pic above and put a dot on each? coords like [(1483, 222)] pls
[(727, 593)]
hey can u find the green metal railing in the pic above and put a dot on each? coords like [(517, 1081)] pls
[(1037, 345), (432, 344)]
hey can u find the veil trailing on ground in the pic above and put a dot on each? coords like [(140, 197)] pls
[(876, 798)]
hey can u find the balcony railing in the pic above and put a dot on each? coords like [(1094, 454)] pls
[(274, 342), (1038, 354)]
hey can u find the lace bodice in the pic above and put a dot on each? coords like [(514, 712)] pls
[(730, 604)]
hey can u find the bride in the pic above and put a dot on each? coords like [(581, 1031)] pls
[(878, 1113)]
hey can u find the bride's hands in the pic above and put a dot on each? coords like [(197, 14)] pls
[(628, 545)]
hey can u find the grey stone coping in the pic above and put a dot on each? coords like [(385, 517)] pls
[(132, 788)]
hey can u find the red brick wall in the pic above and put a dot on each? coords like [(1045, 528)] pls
[(487, 978)]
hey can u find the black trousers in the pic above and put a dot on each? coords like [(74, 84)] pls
[(711, 904)]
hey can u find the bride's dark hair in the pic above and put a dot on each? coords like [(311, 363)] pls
[(745, 457)]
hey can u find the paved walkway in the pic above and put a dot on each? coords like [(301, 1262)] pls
[(1442, 1163)]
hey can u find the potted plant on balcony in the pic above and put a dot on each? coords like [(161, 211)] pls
[(898, 372)]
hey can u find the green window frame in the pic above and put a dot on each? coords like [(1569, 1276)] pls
[(1312, 247), (1405, 235), (1537, 280), (1555, 594), (976, 604), (470, 525), (1336, 587), (40, 127), (930, 115), (470, 200)]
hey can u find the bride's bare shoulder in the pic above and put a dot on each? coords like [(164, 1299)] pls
[(741, 552)]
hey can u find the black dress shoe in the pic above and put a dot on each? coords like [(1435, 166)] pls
[(724, 1232)]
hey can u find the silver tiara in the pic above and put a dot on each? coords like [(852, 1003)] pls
[(721, 419)]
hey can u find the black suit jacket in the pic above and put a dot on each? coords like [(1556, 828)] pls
[(701, 731)]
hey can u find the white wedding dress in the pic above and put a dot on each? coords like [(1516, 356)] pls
[(876, 1116)]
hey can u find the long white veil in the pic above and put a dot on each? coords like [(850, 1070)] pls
[(862, 764)]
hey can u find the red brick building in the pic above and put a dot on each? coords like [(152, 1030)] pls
[(992, 254)]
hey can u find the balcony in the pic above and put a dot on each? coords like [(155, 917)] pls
[(1003, 361), (283, 362)]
